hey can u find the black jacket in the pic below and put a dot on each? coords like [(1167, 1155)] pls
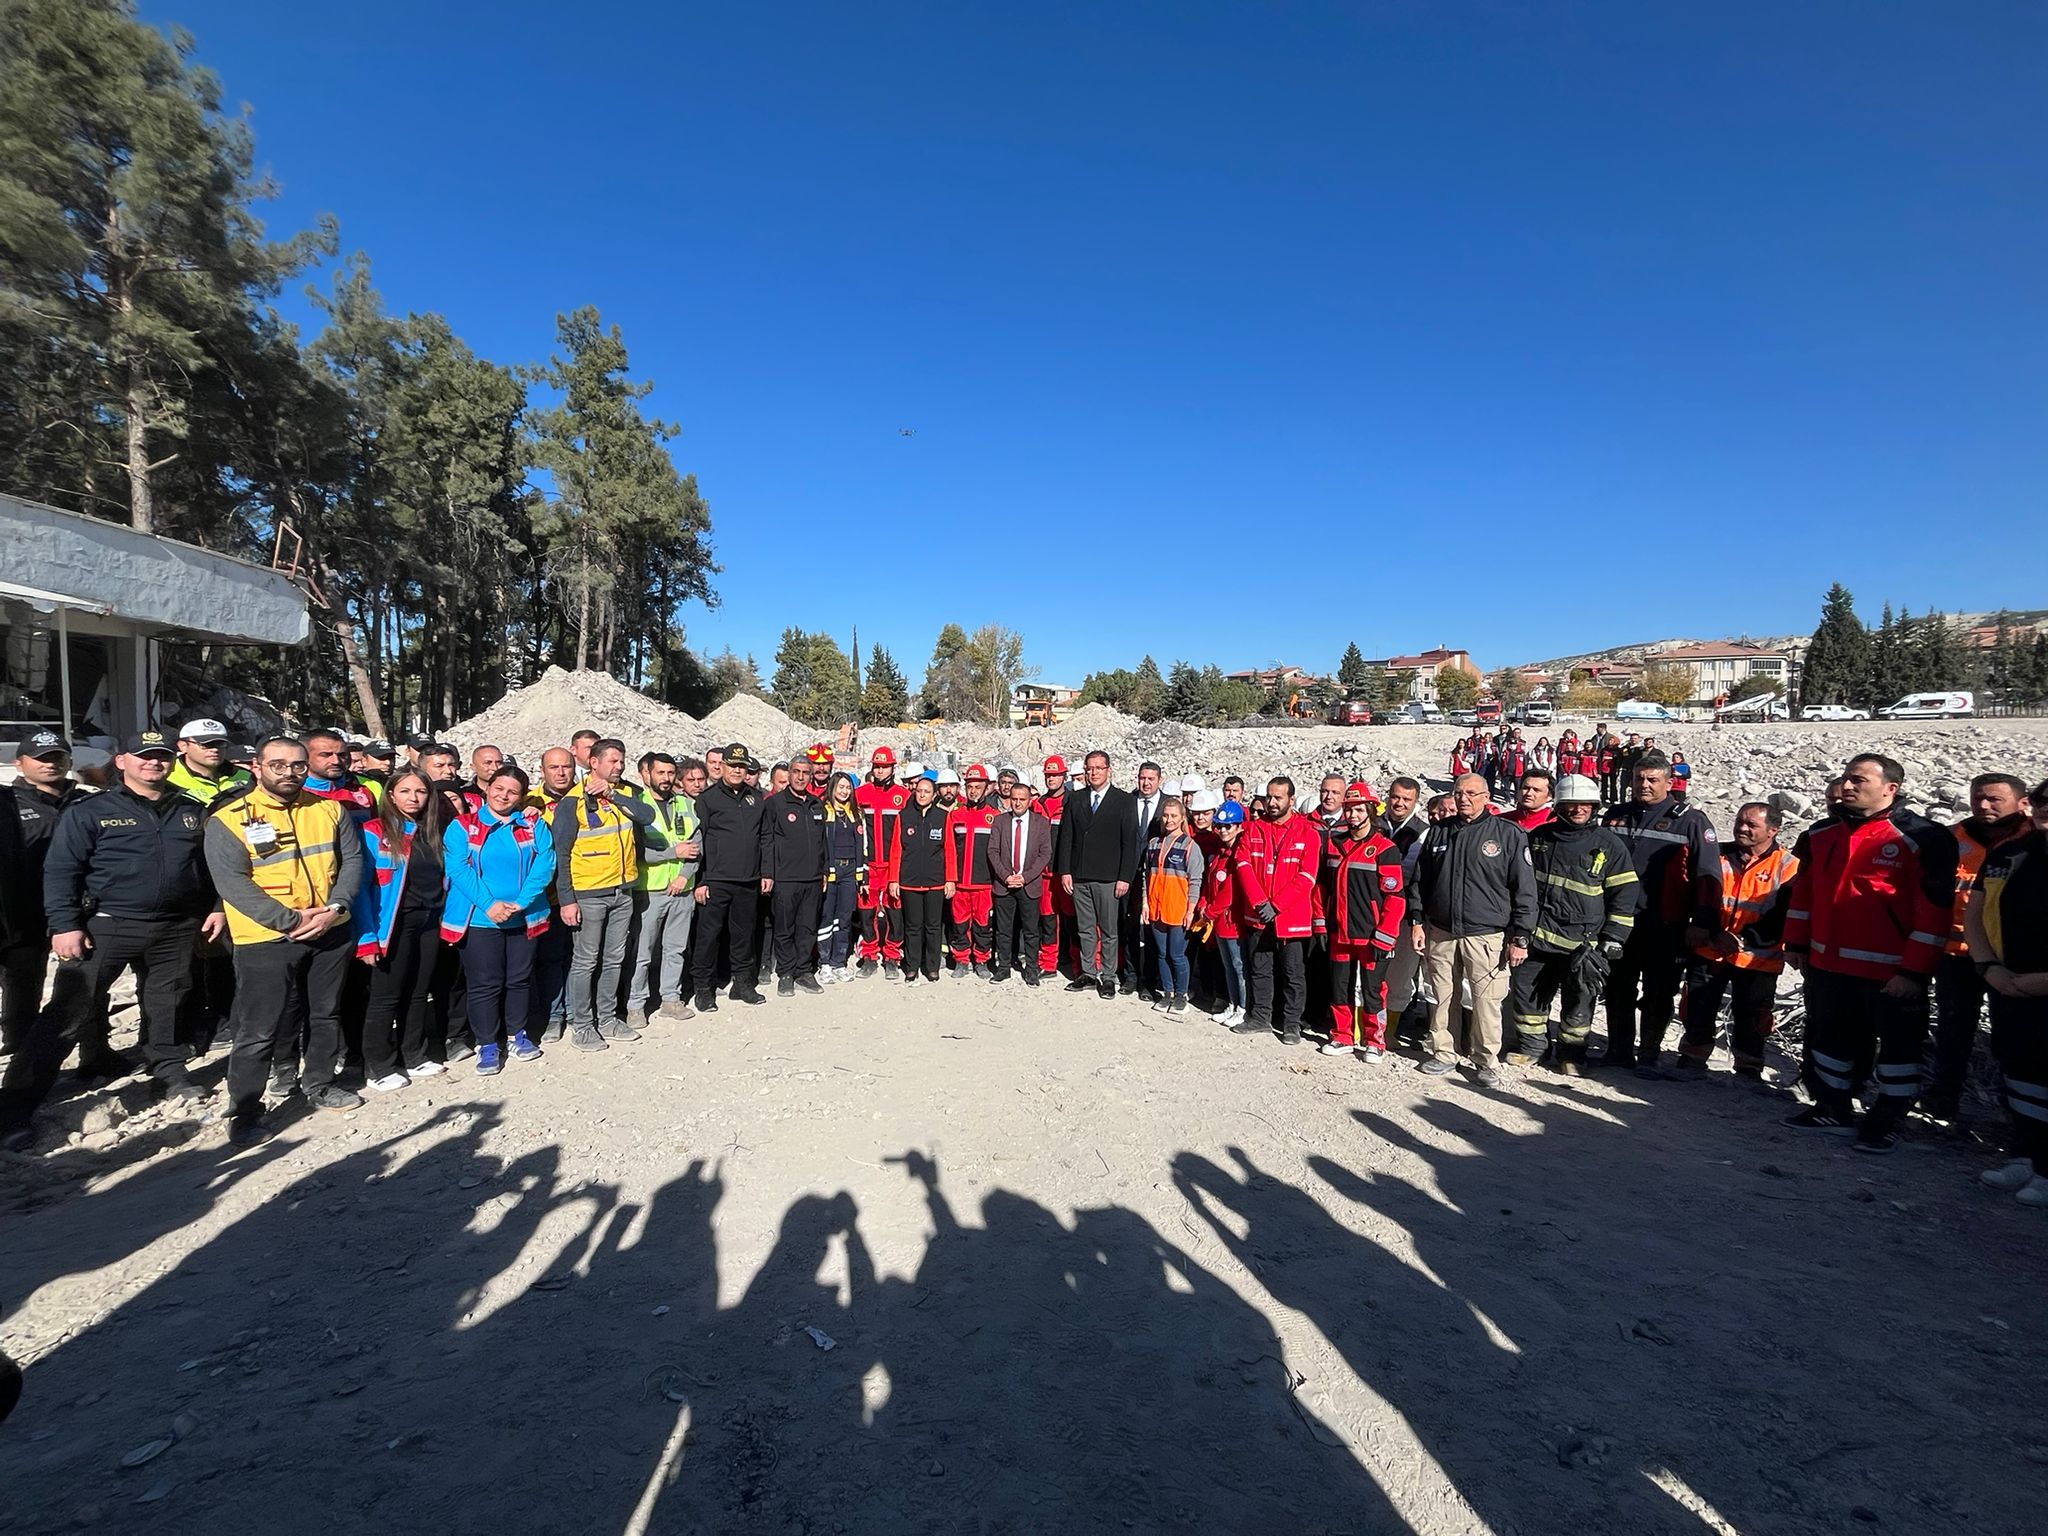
[(120, 855), (921, 834), (1586, 889), (1098, 847), (1675, 854), (35, 812), (729, 826), (1475, 877), (792, 837)]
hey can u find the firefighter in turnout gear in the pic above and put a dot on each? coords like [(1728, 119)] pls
[(1587, 893), (1363, 902), (1747, 951)]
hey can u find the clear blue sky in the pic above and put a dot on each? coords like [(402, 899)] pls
[(1236, 332)]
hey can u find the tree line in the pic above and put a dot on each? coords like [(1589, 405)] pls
[(1850, 663), (1205, 696), (970, 677), (457, 522)]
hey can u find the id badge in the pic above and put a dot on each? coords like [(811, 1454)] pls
[(262, 836)]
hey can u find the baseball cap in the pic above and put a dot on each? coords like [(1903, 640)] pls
[(738, 755), (1055, 764), (149, 743), (206, 731), (42, 742), (883, 758), (378, 748)]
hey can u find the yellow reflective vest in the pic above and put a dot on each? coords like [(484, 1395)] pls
[(603, 851), (294, 854)]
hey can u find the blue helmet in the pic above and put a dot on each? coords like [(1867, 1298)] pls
[(1229, 814), (930, 773)]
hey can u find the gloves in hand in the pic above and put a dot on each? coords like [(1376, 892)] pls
[(1266, 912)]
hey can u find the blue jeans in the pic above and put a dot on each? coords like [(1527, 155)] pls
[(1171, 945), (1232, 951)]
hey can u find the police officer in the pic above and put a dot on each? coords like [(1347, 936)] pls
[(124, 884), (42, 789), (729, 890), (793, 880)]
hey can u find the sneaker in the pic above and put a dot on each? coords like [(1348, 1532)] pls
[(1080, 984), (1031, 978), (1230, 1016), (586, 1038), (636, 1020), (2034, 1192), (489, 1063), (390, 1082), (335, 1098), (1128, 985), (460, 1050), (1436, 1066), (524, 1048), (247, 1133), (784, 988), (1164, 1005), (808, 984), (1333, 1048), (554, 1031), (828, 976), (2012, 1176), (891, 969), (1179, 1005), (1876, 1138), (910, 980), (1814, 1118), (751, 996), (867, 968), (620, 1030), (997, 977), (1291, 1037), (426, 1069), (1371, 1053), (1249, 1026), (981, 968), (1688, 1069), (282, 1086), (1487, 1077), (707, 1002)]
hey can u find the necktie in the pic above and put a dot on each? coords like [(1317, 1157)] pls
[(1095, 801), (1017, 857)]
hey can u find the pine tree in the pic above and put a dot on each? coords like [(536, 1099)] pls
[(886, 698), (1837, 667), (1352, 671), (1187, 696), (1148, 691)]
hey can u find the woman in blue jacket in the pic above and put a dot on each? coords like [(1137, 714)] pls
[(501, 864)]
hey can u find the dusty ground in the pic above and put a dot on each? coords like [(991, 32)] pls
[(1085, 1269)]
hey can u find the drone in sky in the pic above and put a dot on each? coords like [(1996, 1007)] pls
[(906, 431)]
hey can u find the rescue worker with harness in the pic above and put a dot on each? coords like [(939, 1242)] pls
[(1746, 953), (1587, 893)]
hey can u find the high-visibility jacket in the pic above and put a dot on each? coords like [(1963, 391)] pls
[(1587, 891), (1973, 840), (2015, 911), (675, 819), (1754, 902), (1172, 878), (206, 790), (294, 854), (1871, 895), (597, 842)]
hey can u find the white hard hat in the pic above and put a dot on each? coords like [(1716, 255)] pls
[(1204, 800), (1191, 785), (1576, 788), (948, 776)]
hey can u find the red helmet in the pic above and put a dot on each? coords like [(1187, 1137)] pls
[(1055, 764), (883, 758), (976, 771), (818, 754), (1358, 792)]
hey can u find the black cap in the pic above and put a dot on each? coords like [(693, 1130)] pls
[(149, 743), (738, 755), (43, 742), (378, 747)]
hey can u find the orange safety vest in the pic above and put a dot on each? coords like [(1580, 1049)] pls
[(1166, 885), (1746, 895), (1969, 861)]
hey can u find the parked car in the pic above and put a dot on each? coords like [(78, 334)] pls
[(1416, 712), (1351, 712), (1463, 717), (1533, 712), (1932, 706), (1833, 712)]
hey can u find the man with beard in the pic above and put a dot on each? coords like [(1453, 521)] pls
[(1746, 953), (1586, 897), (1278, 860)]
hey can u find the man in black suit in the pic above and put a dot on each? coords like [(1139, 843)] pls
[(1136, 968), (1096, 858), (1019, 853)]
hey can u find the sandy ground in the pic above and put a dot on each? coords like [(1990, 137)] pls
[(1083, 1268)]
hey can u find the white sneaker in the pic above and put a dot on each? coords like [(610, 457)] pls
[(391, 1082), (826, 975), (425, 1069), (1164, 1005), (1230, 1016), (1332, 1048), (2034, 1192), (2014, 1175), (911, 980), (1371, 1053)]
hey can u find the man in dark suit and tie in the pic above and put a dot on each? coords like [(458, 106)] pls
[(1019, 853), (1136, 969), (1096, 859)]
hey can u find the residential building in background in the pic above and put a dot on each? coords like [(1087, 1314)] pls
[(1718, 668), (1427, 667)]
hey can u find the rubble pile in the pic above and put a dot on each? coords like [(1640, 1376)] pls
[(547, 711)]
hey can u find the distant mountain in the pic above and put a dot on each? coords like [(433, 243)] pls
[(1640, 650)]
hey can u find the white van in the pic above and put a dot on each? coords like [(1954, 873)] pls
[(1416, 712), (1642, 709), (1533, 712), (1932, 706)]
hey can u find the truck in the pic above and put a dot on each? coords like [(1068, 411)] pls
[(1487, 712), (1350, 712)]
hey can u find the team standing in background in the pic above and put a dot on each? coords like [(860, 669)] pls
[(336, 913)]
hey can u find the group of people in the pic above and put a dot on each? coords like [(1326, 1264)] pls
[(334, 910), (1604, 756)]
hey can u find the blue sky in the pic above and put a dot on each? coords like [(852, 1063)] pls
[(1236, 332)]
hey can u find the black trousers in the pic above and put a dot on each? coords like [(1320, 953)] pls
[(924, 932), (1651, 966), (795, 907), (160, 950), (1016, 929), (22, 969), (211, 1001), (728, 915), (1753, 994), (1533, 986), (285, 991), (1137, 956), (1852, 1028), (1959, 994), (2019, 1039), (1265, 956), (399, 1010)]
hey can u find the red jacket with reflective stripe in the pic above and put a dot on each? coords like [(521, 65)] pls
[(1871, 897), (881, 804), (1279, 863), (1362, 897)]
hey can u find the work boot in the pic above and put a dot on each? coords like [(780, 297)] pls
[(707, 1002), (1520, 1056), (808, 984), (636, 1020)]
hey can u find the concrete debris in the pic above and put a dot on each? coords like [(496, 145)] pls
[(547, 712)]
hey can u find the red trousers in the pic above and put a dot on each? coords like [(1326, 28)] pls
[(881, 922), (1358, 994), (972, 910)]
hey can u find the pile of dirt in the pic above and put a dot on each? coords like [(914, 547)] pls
[(546, 712), (764, 730)]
